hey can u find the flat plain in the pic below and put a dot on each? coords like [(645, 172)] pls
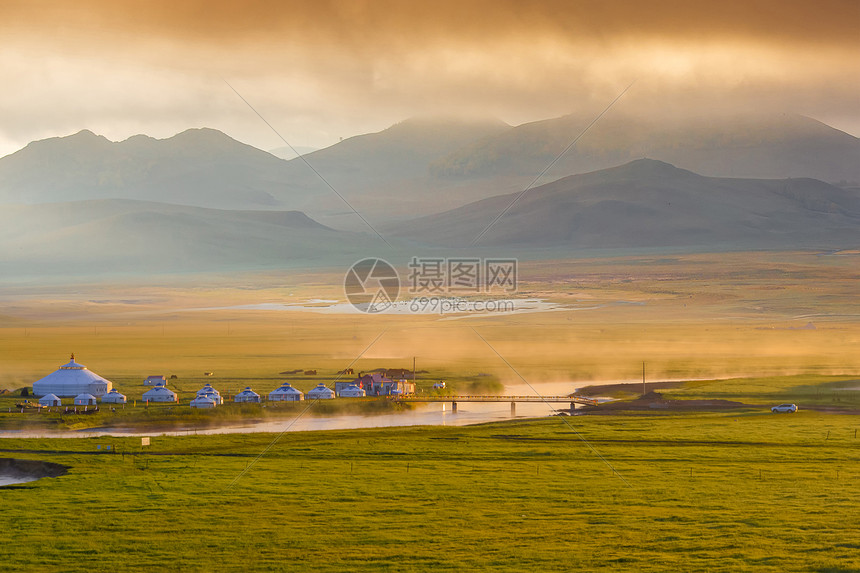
[(743, 491), (686, 316), (739, 489)]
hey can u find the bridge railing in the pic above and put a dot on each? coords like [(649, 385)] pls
[(485, 398)]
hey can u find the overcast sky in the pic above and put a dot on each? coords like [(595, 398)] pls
[(318, 71)]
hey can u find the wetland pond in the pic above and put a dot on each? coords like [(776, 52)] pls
[(14, 471)]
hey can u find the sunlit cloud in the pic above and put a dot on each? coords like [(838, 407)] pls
[(329, 70)]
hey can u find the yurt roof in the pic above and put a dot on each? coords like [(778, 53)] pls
[(320, 389), (247, 392), (71, 373), (158, 390), (202, 398), (287, 389), (72, 365), (85, 397), (49, 397)]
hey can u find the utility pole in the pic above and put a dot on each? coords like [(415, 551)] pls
[(643, 379)]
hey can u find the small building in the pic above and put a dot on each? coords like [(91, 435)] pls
[(50, 400), (202, 401), (376, 384), (70, 380), (85, 400), (247, 395), (321, 392), (364, 381), (114, 397), (211, 392), (401, 387), (286, 393), (159, 394), (155, 381), (352, 391), (398, 373)]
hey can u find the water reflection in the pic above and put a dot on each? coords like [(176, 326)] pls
[(8, 480)]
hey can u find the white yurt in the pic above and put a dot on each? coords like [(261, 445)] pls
[(211, 392), (159, 394), (203, 401), (70, 380), (286, 393), (114, 397), (50, 400), (85, 400), (247, 395), (321, 393), (352, 391)]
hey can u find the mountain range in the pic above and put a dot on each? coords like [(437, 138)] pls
[(648, 203), (128, 237), (202, 201), (644, 204), (416, 167), (763, 145)]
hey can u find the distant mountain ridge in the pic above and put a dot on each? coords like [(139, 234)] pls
[(416, 167), (641, 205), (648, 203), (201, 167), (121, 236), (764, 145), (206, 168)]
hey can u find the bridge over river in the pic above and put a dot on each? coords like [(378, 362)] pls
[(572, 400)]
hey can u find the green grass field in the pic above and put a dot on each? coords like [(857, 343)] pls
[(700, 492), (640, 490)]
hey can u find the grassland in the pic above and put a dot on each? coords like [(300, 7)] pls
[(740, 490), (702, 492), (695, 316)]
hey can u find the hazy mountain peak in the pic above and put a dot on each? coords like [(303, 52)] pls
[(139, 138), (86, 133), (441, 120), (202, 133), (203, 136), (765, 145), (648, 203), (649, 167), (83, 138)]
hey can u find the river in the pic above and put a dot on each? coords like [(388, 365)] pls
[(433, 414)]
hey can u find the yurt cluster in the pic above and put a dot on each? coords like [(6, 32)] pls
[(86, 388), (74, 380)]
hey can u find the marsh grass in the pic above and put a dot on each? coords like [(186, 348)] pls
[(805, 390), (753, 492)]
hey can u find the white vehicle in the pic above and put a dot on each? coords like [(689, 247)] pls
[(784, 409)]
